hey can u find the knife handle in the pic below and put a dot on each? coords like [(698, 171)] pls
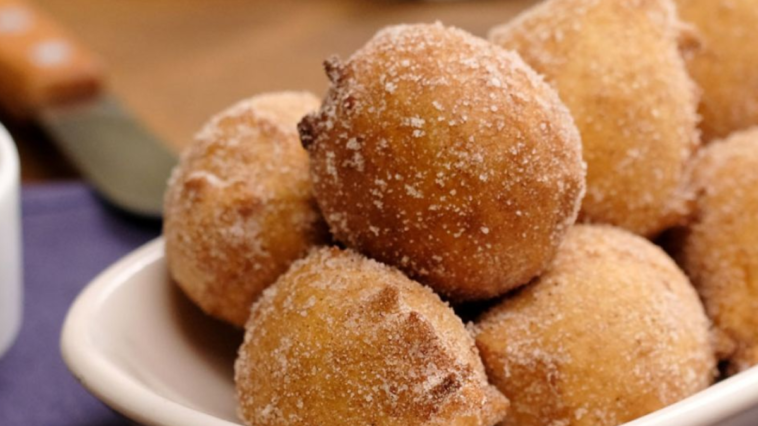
[(40, 63)]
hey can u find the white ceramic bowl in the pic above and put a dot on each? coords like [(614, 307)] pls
[(137, 344), (10, 243)]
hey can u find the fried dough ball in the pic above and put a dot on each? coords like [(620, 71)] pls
[(239, 208), (611, 332), (344, 340), (726, 65), (720, 249), (618, 67), (447, 157)]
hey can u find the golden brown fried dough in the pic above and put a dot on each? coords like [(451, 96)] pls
[(611, 332), (720, 249), (447, 157), (343, 340), (726, 65), (617, 66), (239, 207)]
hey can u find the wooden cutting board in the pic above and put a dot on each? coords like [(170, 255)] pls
[(177, 62)]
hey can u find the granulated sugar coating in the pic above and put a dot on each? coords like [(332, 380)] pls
[(239, 207), (618, 67), (447, 157), (720, 249), (344, 340), (612, 331), (726, 65)]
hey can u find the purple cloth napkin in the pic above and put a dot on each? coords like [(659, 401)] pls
[(69, 237)]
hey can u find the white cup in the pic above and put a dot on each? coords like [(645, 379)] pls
[(10, 242)]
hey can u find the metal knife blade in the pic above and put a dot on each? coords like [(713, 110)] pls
[(122, 159), (47, 76)]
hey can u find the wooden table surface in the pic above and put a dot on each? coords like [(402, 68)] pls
[(177, 62)]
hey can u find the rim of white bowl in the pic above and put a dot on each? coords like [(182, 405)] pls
[(718, 403), (104, 379)]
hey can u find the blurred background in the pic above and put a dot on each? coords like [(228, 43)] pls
[(175, 63)]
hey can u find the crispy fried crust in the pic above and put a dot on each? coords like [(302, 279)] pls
[(343, 340), (720, 248), (726, 65), (239, 207), (617, 65), (447, 157), (612, 331)]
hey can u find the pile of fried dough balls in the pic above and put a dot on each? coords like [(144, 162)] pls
[(446, 171)]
